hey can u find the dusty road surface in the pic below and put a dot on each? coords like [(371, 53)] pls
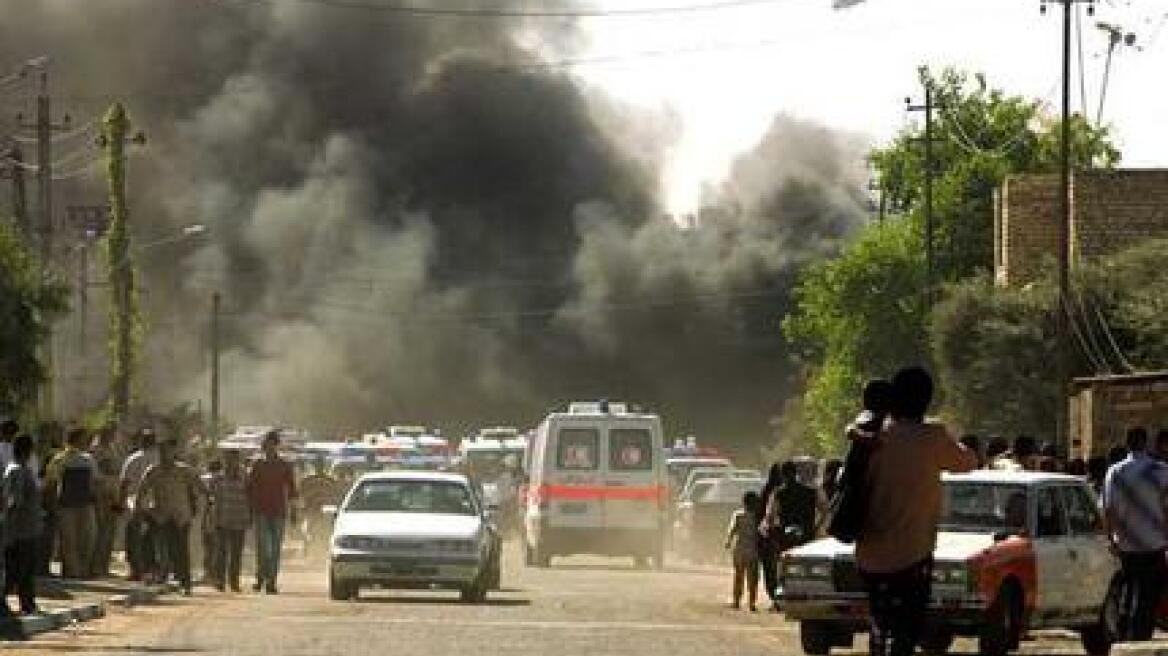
[(579, 607)]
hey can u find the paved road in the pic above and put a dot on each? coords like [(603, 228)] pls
[(579, 607)]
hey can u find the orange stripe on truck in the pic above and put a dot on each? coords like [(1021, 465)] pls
[(602, 492)]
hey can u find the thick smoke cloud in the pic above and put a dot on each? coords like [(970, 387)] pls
[(413, 220)]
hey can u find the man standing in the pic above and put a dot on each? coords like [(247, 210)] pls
[(24, 525), (207, 530), (271, 487), (791, 510), (895, 546), (70, 481), (171, 490), (140, 548), (108, 467), (1133, 499), (318, 490), (232, 515)]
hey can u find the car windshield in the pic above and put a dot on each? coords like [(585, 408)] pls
[(433, 497), (726, 491), (983, 507)]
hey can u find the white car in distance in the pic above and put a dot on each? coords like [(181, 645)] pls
[(412, 530)]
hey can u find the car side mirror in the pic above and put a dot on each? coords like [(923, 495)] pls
[(329, 511)]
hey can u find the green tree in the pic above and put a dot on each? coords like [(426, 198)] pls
[(992, 349), (993, 345), (27, 303), (858, 316), (981, 135), (862, 314)]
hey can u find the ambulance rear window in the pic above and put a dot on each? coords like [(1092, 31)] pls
[(630, 449), (577, 449)]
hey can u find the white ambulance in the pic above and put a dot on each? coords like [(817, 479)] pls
[(596, 485)]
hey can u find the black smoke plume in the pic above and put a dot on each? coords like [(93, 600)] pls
[(416, 219)]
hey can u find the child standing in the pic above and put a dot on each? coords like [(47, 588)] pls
[(742, 539)]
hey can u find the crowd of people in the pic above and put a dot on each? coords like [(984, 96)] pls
[(70, 498), (897, 456)]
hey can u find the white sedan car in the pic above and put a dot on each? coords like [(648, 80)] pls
[(413, 530)]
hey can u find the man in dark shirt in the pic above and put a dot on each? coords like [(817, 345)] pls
[(70, 482), (794, 505), (22, 518), (271, 488)]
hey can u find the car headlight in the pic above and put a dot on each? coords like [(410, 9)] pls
[(806, 570), (955, 574)]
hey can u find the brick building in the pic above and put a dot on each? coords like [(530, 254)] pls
[(1110, 211)]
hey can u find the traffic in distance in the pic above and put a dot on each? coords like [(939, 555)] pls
[(1016, 551)]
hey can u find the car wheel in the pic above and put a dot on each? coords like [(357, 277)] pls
[(340, 590), (476, 592), (816, 638), (937, 642), (1097, 640), (659, 556), (1003, 624), (495, 579), (1112, 612)]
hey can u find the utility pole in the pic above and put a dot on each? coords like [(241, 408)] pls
[(1063, 368), (44, 137), (930, 169), (16, 166), (83, 302), (215, 309), (115, 131)]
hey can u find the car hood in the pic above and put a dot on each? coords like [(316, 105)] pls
[(951, 547), (408, 525)]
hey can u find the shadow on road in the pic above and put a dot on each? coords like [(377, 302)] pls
[(633, 569), (442, 601), (108, 649)]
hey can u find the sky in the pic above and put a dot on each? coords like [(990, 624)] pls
[(726, 73)]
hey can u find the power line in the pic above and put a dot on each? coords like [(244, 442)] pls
[(1111, 339), (81, 130), (1099, 367), (1001, 150), (1092, 340), (309, 307), (492, 13)]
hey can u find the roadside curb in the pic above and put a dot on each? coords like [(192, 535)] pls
[(1153, 648), (23, 628)]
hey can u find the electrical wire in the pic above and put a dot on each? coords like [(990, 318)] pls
[(1099, 367), (1082, 68), (8, 161), (309, 306), (82, 130), (502, 13), (1111, 339), (1003, 149), (1092, 339)]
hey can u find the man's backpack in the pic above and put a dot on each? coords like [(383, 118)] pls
[(847, 509)]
